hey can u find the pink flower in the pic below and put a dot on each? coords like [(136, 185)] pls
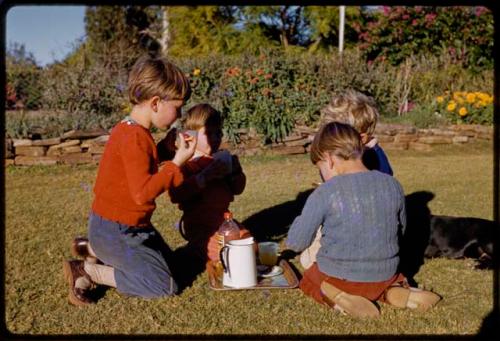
[(430, 17), (406, 17), (418, 9), (363, 35), (480, 10), (386, 10), (414, 22)]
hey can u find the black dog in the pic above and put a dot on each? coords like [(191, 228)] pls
[(430, 236), (457, 237)]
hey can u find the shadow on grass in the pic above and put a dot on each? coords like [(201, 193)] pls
[(426, 235), (98, 293), (273, 223), (417, 234), (186, 266)]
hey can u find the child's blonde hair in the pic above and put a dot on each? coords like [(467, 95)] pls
[(336, 138), (201, 115), (151, 77), (354, 108)]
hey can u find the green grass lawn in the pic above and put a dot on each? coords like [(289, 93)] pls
[(47, 206)]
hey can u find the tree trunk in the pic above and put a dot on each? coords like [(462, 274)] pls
[(165, 31)]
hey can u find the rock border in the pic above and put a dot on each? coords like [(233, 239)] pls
[(83, 147)]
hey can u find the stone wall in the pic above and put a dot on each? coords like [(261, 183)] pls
[(81, 147)]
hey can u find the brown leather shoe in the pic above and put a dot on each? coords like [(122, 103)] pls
[(412, 298), (353, 305), (79, 248), (73, 269)]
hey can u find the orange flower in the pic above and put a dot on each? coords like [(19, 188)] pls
[(268, 75), (253, 80), (259, 72), (234, 71)]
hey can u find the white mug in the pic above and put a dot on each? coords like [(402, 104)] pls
[(238, 260)]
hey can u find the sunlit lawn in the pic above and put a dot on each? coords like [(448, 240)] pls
[(47, 206)]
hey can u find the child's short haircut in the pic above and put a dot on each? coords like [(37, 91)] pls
[(354, 108), (201, 115), (338, 139), (151, 77)]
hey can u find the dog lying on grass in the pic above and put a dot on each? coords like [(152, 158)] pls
[(459, 237), (430, 236)]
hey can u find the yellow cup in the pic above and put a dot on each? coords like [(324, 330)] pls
[(268, 253)]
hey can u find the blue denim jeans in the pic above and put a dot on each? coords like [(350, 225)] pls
[(138, 255)]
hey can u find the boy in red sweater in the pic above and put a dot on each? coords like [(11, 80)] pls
[(128, 181), (212, 179)]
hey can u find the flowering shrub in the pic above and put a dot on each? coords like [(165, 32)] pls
[(465, 33), (466, 107), (10, 96), (270, 93)]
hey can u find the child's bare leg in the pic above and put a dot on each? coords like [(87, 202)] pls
[(308, 256)]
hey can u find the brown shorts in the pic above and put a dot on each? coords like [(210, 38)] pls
[(312, 278)]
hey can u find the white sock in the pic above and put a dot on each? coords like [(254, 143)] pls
[(91, 252), (101, 274), (83, 283)]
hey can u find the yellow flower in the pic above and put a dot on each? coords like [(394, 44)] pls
[(462, 111), (451, 106), (440, 99), (471, 97), (483, 97), (196, 72)]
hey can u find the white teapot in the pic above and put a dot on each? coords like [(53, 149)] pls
[(238, 260)]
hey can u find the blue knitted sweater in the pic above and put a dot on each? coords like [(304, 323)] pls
[(363, 216)]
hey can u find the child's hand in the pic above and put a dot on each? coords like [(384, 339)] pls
[(185, 149)]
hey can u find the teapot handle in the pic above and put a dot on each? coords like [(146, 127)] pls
[(224, 259)]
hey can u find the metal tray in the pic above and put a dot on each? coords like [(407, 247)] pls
[(286, 280)]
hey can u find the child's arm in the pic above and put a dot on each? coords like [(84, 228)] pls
[(237, 179), (194, 184), (305, 226), (136, 153)]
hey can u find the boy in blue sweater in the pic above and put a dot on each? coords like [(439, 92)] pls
[(363, 215), (359, 111)]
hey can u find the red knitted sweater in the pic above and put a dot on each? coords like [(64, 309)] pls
[(128, 180)]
